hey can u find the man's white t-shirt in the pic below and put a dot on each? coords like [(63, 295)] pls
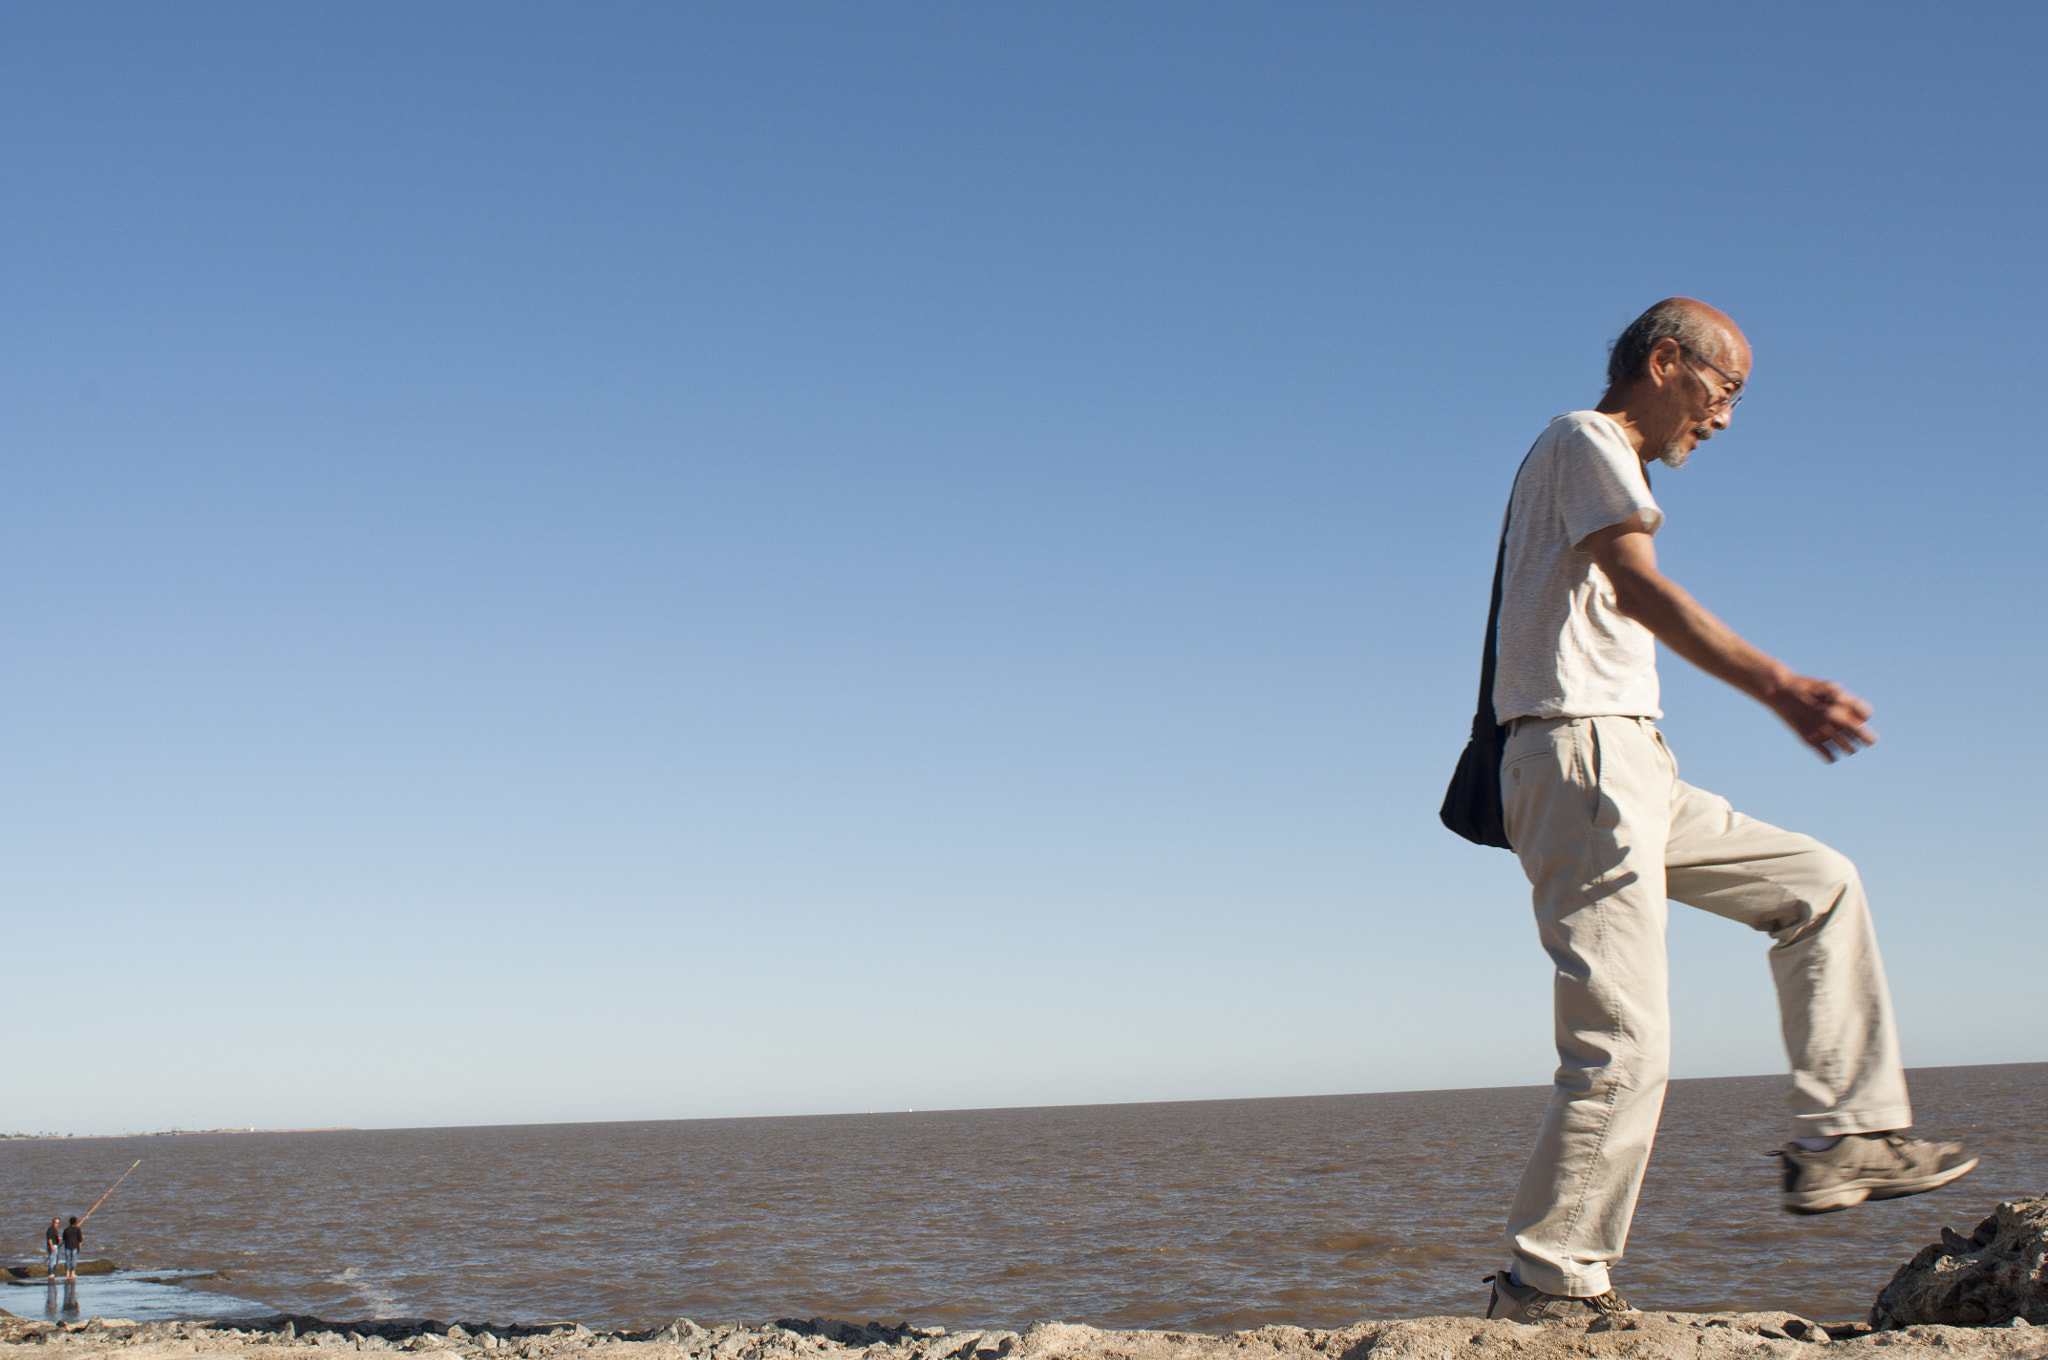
[(1565, 650)]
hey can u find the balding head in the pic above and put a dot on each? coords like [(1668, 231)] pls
[(1707, 332), (1674, 376)]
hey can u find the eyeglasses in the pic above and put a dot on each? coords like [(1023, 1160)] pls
[(1730, 398)]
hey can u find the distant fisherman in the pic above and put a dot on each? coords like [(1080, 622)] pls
[(74, 1238), (1606, 832), (53, 1242)]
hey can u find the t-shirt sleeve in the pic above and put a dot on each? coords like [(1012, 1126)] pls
[(1600, 483)]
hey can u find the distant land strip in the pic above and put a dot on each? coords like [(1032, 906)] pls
[(170, 1133)]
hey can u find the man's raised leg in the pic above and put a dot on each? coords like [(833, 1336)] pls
[(1848, 1098)]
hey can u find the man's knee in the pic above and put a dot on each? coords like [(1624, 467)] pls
[(1822, 880), (1586, 1095)]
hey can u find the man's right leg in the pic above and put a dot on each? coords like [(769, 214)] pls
[(1587, 804), (1834, 1007), (1848, 1092)]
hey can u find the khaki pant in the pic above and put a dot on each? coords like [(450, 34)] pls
[(1606, 832)]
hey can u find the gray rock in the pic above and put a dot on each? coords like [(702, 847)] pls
[(1987, 1279), (945, 1347)]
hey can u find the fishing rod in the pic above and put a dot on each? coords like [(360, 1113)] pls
[(110, 1190)]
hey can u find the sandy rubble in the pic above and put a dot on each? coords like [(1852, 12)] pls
[(1648, 1334)]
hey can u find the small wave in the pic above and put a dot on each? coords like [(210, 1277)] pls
[(381, 1302), (1350, 1242)]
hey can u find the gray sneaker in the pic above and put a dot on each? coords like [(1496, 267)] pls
[(1868, 1166), (1526, 1303)]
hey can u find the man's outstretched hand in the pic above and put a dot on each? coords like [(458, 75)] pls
[(1827, 717)]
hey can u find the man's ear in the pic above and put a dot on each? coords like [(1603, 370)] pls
[(1665, 357)]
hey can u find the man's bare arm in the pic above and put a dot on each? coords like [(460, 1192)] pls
[(1827, 717)]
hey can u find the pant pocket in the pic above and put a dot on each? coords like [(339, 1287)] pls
[(1604, 812), (1670, 758), (1535, 774)]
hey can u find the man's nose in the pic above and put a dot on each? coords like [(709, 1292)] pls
[(1722, 417)]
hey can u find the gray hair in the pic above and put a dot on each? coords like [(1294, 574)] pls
[(1672, 319)]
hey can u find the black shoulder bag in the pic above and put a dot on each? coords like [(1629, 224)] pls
[(1472, 806)]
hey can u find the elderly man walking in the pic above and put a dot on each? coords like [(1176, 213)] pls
[(1606, 832)]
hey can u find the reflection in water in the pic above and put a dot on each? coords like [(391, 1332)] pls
[(143, 1296), (64, 1309)]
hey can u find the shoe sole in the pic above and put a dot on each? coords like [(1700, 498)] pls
[(1849, 1194), (1504, 1307)]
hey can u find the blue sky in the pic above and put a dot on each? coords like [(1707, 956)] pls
[(647, 561)]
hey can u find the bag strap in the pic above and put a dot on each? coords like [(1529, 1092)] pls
[(1483, 717)]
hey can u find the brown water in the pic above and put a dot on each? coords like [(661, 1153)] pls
[(1201, 1215)]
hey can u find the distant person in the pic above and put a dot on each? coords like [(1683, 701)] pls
[(1606, 832), (53, 1242), (74, 1238)]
